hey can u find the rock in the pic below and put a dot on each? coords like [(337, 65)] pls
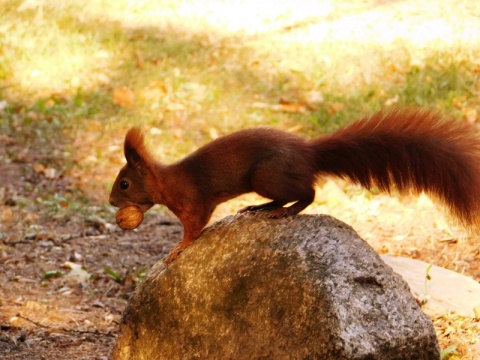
[(305, 287), (447, 291)]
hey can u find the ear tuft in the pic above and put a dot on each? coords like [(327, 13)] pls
[(134, 148)]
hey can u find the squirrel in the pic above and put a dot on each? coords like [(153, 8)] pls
[(407, 149)]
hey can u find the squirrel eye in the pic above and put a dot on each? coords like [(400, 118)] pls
[(124, 185)]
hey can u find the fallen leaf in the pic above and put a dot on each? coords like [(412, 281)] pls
[(123, 97), (335, 107), (314, 97), (98, 303), (7, 214), (38, 168), (292, 106), (458, 101), (6, 140), (138, 59), (470, 114), (213, 133), (476, 310), (77, 275), (71, 265), (392, 100), (50, 173), (174, 107), (297, 108), (282, 107), (154, 92)]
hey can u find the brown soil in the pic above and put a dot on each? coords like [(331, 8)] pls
[(45, 222)]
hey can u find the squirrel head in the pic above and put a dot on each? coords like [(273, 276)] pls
[(134, 181)]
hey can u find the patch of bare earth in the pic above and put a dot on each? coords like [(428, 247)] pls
[(55, 318), (44, 313)]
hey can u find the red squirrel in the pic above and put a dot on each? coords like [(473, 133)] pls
[(409, 149)]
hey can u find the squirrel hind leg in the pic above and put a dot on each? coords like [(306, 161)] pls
[(284, 182), (293, 209), (272, 205), (276, 209)]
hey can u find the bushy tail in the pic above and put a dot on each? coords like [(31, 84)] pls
[(416, 150)]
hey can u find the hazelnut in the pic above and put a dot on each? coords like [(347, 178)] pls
[(129, 217)]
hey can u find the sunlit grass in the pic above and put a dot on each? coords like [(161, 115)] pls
[(350, 50), (48, 53)]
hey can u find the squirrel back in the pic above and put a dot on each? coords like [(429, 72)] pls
[(409, 149)]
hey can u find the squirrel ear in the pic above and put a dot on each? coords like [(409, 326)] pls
[(134, 148), (133, 158)]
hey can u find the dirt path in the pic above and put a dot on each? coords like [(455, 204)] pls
[(45, 230)]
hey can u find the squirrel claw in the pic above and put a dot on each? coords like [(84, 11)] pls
[(278, 213), (173, 255)]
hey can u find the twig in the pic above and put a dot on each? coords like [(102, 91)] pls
[(96, 332)]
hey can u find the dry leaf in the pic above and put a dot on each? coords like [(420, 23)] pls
[(175, 107), (77, 276), (154, 92), (50, 173), (458, 101), (335, 107), (260, 105), (284, 106), (290, 106), (7, 214), (6, 140), (470, 114), (476, 310), (139, 59), (392, 100), (38, 168), (314, 97), (213, 133), (123, 97)]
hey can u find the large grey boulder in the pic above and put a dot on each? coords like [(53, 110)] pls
[(305, 287)]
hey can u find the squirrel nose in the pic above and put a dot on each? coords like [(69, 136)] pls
[(112, 202)]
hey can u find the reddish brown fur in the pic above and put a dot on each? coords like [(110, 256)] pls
[(134, 141), (413, 150)]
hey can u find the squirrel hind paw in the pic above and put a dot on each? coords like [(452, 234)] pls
[(279, 213)]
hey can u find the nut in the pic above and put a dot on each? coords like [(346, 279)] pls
[(129, 217)]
